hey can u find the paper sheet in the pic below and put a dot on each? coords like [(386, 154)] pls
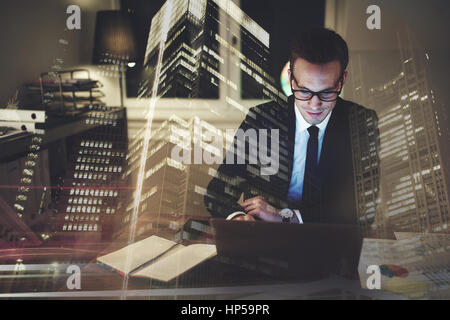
[(177, 261), (137, 254)]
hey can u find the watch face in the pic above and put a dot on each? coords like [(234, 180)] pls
[(286, 213)]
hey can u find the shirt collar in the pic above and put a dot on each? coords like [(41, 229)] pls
[(302, 124)]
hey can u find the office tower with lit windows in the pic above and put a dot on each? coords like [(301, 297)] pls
[(172, 191), (213, 51), (414, 144), (365, 141), (198, 56), (92, 188)]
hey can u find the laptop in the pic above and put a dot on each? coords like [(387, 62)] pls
[(300, 251)]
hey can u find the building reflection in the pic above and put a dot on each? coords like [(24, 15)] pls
[(413, 142), (213, 51)]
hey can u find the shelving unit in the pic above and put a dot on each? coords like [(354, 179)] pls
[(65, 92)]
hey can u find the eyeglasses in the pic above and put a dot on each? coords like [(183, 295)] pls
[(325, 95)]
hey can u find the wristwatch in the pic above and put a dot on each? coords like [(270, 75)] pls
[(286, 214)]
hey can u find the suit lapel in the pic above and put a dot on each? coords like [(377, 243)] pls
[(291, 124), (333, 134), (330, 144)]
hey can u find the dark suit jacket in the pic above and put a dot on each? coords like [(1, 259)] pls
[(336, 201)]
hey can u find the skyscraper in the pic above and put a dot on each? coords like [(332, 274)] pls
[(213, 51), (95, 160), (414, 143), (198, 55)]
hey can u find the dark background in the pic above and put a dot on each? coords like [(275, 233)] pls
[(279, 18)]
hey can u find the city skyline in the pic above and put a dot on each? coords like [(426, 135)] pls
[(414, 140), (201, 59)]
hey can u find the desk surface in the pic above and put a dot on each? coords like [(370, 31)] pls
[(43, 274)]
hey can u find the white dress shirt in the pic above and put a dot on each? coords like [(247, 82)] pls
[(300, 148), (299, 161)]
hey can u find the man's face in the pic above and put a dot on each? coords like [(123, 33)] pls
[(316, 77)]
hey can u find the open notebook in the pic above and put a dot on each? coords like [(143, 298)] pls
[(157, 258)]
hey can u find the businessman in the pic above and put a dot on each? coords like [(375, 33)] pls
[(317, 130)]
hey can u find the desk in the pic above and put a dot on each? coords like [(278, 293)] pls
[(213, 279)]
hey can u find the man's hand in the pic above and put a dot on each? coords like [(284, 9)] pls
[(258, 207)]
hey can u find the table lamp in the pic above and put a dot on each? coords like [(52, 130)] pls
[(115, 42)]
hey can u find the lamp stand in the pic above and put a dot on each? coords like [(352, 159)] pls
[(121, 78)]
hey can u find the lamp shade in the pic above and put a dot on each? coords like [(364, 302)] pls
[(114, 38)]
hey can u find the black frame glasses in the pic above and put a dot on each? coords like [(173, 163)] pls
[(324, 95)]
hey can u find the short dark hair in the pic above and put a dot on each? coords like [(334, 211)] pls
[(319, 46)]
